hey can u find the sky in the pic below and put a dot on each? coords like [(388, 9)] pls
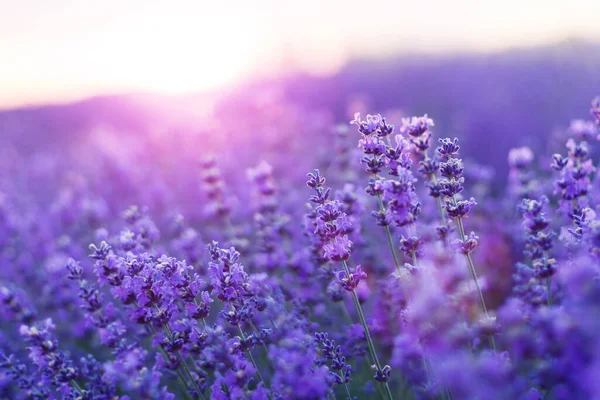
[(54, 51)]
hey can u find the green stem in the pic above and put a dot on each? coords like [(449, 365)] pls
[(426, 365), (243, 337), (363, 322), (388, 233), (441, 209), (264, 346), (229, 228), (187, 371), (434, 181), (345, 312), (76, 386), (182, 361), (461, 230), (260, 378), (426, 368), (166, 357), (346, 387), (197, 305)]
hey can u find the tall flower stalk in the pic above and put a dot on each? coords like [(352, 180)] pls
[(395, 197), (232, 286), (418, 130), (330, 223), (341, 371), (574, 186), (595, 110), (539, 241), (374, 150), (451, 184)]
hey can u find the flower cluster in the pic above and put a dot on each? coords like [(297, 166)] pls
[(350, 281), (452, 183), (574, 184), (521, 176), (231, 284), (332, 354), (539, 236), (419, 131), (270, 300), (52, 362), (219, 203), (400, 198), (331, 222), (582, 130), (595, 110), (269, 221), (371, 141)]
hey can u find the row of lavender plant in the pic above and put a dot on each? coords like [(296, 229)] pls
[(410, 288)]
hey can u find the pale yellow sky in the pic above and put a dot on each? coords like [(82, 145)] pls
[(60, 50)]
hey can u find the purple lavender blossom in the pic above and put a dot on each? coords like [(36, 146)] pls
[(401, 199), (329, 225), (340, 370), (150, 312), (574, 182), (520, 158), (521, 175), (452, 182), (416, 126), (595, 110), (53, 363), (369, 126), (583, 130)]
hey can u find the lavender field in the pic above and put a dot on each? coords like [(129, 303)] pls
[(424, 228)]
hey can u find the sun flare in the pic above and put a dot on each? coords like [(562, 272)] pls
[(178, 56)]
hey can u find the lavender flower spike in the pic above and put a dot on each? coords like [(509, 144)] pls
[(330, 223), (451, 170), (595, 110)]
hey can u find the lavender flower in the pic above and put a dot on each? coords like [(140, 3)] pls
[(368, 126), (521, 176), (574, 182), (270, 223), (396, 197), (329, 225), (25, 380), (451, 169), (520, 158), (220, 203), (416, 126), (420, 134), (418, 129), (154, 313), (595, 110), (401, 199), (53, 363), (539, 240), (340, 370), (583, 130), (350, 281), (233, 288), (330, 221)]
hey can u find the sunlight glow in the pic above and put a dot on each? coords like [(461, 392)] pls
[(61, 50), (180, 55)]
